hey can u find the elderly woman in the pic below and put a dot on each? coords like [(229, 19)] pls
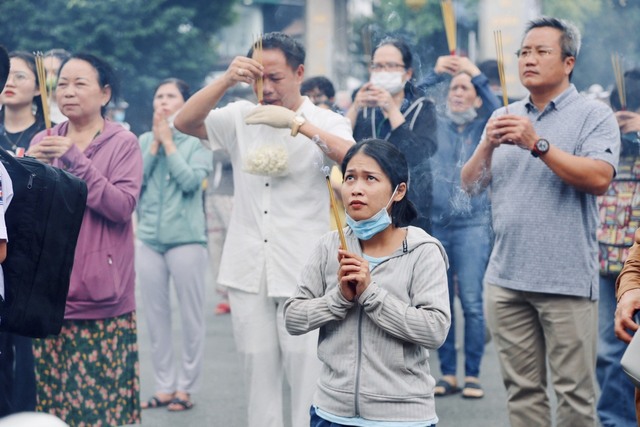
[(88, 374)]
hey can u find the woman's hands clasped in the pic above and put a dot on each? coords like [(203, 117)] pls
[(353, 275), (372, 96), (162, 134), (50, 148)]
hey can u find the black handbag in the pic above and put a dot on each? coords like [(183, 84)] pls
[(43, 222)]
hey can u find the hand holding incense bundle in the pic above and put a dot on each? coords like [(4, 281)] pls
[(257, 48), (42, 83), (334, 209), (497, 37), (449, 17), (618, 72)]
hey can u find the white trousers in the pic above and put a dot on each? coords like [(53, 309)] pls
[(187, 265), (270, 355)]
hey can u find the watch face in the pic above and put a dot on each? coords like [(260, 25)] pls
[(542, 145)]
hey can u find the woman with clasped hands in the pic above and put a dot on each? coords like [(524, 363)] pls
[(88, 374), (390, 107), (385, 296), (172, 245)]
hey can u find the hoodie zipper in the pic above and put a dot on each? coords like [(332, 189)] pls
[(358, 362)]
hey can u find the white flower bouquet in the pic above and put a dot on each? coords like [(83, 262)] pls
[(270, 159)]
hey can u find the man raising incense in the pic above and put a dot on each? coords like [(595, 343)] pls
[(281, 207)]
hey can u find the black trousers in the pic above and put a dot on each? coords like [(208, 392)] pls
[(17, 374)]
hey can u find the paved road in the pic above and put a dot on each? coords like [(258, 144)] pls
[(220, 401)]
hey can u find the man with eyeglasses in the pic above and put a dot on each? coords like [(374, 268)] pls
[(545, 159)]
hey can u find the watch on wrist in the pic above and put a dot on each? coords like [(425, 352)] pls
[(540, 147), (296, 123)]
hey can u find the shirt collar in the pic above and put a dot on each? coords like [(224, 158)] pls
[(558, 102)]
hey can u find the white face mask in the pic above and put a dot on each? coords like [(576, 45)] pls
[(391, 81), (461, 117)]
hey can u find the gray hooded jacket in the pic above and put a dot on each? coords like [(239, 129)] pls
[(374, 351)]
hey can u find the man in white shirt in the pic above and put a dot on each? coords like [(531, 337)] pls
[(281, 206)]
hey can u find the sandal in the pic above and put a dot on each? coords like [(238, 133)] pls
[(180, 405), (445, 388), (472, 390), (155, 402)]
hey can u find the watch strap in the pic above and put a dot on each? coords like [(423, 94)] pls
[(295, 126)]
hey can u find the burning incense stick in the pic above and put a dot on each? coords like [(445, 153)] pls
[(497, 37), (258, 55), (334, 209), (42, 82), (449, 18), (618, 71)]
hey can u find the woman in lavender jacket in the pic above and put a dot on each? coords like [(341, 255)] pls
[(89, 372)]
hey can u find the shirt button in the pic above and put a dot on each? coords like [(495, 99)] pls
[(265, 240), (265, 212), (267, 184)]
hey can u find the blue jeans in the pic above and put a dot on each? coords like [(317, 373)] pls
[(468, 249), (316, 421), (616, 406)]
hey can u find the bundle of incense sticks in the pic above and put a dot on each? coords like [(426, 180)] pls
[(449, 17), (257, 48), (497, 37), (42, 82), (618, 71), (366, 42), (334, 209)]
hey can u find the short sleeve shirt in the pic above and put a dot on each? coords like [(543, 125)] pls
[(545, 230), (275, 220)]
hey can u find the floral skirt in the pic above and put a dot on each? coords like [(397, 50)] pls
[(88, 375)]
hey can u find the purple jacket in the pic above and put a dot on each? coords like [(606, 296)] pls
[(103, 276)]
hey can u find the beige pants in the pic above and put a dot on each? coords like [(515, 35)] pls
[(530, 329)]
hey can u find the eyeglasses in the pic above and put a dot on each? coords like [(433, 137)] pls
[(541, 52), (19, 77), (387, 66)]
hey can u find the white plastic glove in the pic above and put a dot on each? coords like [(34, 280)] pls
[(271, 115)]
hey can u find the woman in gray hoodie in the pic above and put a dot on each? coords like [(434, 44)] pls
[(380, 304)]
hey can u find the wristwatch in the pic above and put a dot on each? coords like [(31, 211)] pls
[(296, 123), (540, 147)]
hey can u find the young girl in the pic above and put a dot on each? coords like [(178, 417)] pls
[(379, 304)]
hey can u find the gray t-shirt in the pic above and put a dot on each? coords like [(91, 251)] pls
[(545, 230)]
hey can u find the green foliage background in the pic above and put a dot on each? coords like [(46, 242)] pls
[(145, 40), (149, 40)]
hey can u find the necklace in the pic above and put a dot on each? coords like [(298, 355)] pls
[(13, 144)]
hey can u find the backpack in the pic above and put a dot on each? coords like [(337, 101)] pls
[(43, 222)]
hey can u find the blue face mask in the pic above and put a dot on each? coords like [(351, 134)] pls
[(367, 228)]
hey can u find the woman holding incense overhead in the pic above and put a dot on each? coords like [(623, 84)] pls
[(379, 306), (88, 374), (390, 107), (172, 243), (22, 114)]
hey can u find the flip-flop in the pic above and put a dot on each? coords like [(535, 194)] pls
[(472, 390), (184, 405), (154, 402), (445, 388)]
